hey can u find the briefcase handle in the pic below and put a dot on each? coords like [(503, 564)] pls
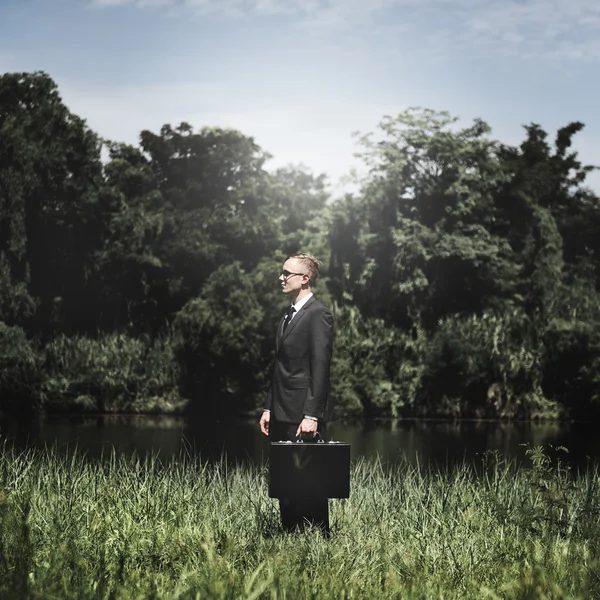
[(299, 439)]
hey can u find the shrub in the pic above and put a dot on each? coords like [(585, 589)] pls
[(19, 372), (111, 374)]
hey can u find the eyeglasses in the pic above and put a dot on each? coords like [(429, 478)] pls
[(285, 274)]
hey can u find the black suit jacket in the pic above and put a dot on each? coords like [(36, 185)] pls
[(300, 384)]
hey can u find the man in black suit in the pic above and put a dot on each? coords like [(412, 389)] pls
[(298, 402)]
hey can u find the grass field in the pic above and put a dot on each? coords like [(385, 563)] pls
[(124, 528)]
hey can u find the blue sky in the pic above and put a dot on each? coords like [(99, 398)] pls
[(301, 75)]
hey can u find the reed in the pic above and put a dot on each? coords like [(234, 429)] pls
[(123, 527)]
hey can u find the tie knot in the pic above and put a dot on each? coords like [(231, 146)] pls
[(288, 317)]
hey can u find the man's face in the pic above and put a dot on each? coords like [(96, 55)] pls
[(293, 276)]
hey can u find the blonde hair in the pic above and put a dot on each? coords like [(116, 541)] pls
[(312, 265)]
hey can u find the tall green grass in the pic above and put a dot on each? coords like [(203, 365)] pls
[(137, 528)]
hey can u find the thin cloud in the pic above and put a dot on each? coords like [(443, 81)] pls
[(554, 29), (537, 27), (110, 3)]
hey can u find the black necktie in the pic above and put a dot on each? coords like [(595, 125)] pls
[(288, 316)]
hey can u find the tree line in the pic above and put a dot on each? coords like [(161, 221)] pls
[(463, 274)]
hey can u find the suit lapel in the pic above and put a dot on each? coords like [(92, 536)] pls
[(297, 318), (279, 329)]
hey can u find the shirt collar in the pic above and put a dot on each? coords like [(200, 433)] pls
[(302, 302)]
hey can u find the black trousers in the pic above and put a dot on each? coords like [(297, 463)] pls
[(296, 513)]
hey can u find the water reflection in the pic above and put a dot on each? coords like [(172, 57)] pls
[(449, 443), (420, 442)]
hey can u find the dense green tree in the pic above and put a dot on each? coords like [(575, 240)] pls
[(50, 205), (134, 278), (220, 340), (464, 273), (451, 228), (297, 202), (417, 247), (189, 203)]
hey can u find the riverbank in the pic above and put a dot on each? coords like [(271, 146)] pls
[(127, 528)]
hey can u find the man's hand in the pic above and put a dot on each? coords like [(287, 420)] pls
[(264, 422), (307, 426)]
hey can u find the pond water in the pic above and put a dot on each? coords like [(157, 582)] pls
[(420, 442)]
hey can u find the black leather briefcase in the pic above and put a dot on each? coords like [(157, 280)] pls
[(309, 470)]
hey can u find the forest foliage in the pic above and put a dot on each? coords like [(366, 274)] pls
[(463, 273)]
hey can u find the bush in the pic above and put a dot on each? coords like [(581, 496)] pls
[(113, 373), (486, 366), (19, 373), (365, 360)]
